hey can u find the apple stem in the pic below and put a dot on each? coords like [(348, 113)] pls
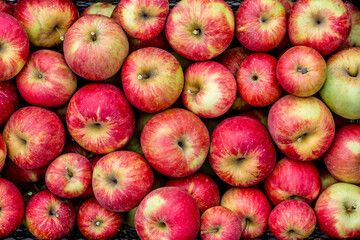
[(97, 223), (61, 35), (352, 208), (196, 32), (142, 76), (214, 230), (93, 36), (69, 173), (302, 70)]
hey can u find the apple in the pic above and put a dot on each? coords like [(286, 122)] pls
[(96, 222), (301, 71), (246, 156), (175, 142), (341, 90), (232, 58), (48, 216), (99, 118), (46, 80), (209, 89), (353, 39), (3, 152), (288, 5), (302, 128), (14, 47), (220, 223), (167, 213), (6, 8), (293, 180), (256, 80), (46, 24), (325, 177), (142, 19), (95, 47), (121, 179), (9, 100), (292, 219), (34, 136), (89, 191), (159, 41), (253, 208), (260, 24), (257, 114), (101, 8), (343, 157), (73, 147), (324, 30), (152, 79), (12, 208), (200, 29), (338, 212)]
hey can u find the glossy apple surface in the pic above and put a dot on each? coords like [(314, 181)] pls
[(9, 100)]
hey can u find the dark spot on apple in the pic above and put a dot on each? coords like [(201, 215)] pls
[(319, 19), (181, 144)]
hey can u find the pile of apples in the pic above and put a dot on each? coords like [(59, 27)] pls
[(196, 121)]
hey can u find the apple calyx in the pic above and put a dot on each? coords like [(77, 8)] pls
[(93, 36), (213, 230), (352, 208), (263, 19), (319, 19), (294, 235), (69, 172), (254, 78), (302, 70)]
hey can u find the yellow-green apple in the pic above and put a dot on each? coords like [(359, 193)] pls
[(121, 179), (101, 8), (256, 80), (99, 118), (69, 175), (6, 7), (293, 180), (301, 71), (200, 29), (338, 211), (292, 219), (175, 142), (353, 39), (253, 208), (325, 177), (95, 47), (302, 128), (152, 79), (142, 19), (320, 24), (220, 223), (12, 208), (46, 80), (246, 156), (97, 222), (343, 157), (257, 114), (9, 100), (209, 90), (14, 47), (341, 90), (46, 24), (260, 24), (34, 136), (167, 213), (159, 41), (48, 216), (3, 152), (201, 187)]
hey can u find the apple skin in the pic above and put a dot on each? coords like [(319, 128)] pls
[(341, 90), (208, 80), (152, 79), (241, 151), (325, 177), (292, 219), (95, 47), (220, 223), (34, 136), (9, 100), (37, 17), (99, 118), (326, 30), (200, 29), (301, 71), (302, 128), (343, 157), (253, 208), (48, 216), (201, 187), (73, 147), (293, 180), (101, 8), (260, 24), (175, 142), (89, 191), (337, 211), (3, 153), (96, 222), (46, 80), (14, 47), (258, 114), (353, 39), (12, 208), (288, 5), (256, 80), (142, 19), (121, 180), (159, 41), (6, 8), (167, 213)]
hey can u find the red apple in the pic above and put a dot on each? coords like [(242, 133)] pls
[(159, 41), (101, 8), (353, 39), (73, 147), (200, 29), (325, 177), (89, 191), (167, 213), (175, 142), (257, 114), (100, 118), (288, 5), (34, 136), (6, 8), (3, 152), (9, 100)]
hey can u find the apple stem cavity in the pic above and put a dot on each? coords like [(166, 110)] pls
[(143, 76), (196, 32), (98, 223), (353, 72), (302, 70), (61, 35), (214, 230), (52, 212), (68, 172), (300, 139), (93, 36), (352, 208)]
